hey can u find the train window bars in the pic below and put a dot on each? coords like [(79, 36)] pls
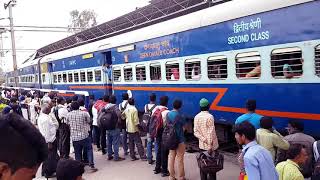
[(36, 78), (128, 76), (97, 75), (90, 76), (55, 78), (59, 78), (192, 69), (172, 71), (70, 77), (248, 65), (116, 74), (43, 78), (76, 76), (286, 62), (140, 73), (317, 60), (155, 71), (82, 76), (64, 77), (217, 67)]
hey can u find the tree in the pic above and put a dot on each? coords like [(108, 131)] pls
[(82, 20)]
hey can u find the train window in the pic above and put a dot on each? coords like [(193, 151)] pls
[(64, 77), (90, 76), (70, 77), (55, 78), (82, 76), (192, 69), (140, 73), (76, 76), (59, 78), (36, 78), (172, 71), (97, 75), (116, 74), (286, 62), (155, 71), (128, 73), (317, 60), (217, 67), (43, 78), (248, 65)]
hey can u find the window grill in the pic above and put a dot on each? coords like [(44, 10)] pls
[(248, 65), (155, 71), (82, 76), (116, 74), (217, 67), (90, 76), (97, 75), (317, 60), (140, 73), (192, 69), (64, 77), (172, 71), (76, 76), (128, 73), (70, 77)]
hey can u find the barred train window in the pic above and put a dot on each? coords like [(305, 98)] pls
[(82, 76), (76, 76), (140, 73), (128, 76), (64, 77), (59, 78), (116, 74), (317, 60), (55, 78), (43, 78), (217, 67), (248, 65), (36, 78), (286, 62), (155, 71), (90, 76), (70, 77), (97, 75), (192, 69), (172, 71)]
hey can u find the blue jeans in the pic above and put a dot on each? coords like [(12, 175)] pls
[(124, 141), (113, 140), (83, 145), (149, 147)]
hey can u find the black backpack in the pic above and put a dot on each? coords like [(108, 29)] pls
[(144, 124), (108, 118), (122, 123), (169, 136), (56, 114)]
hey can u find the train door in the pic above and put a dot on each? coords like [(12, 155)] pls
[(50, 75), (108, 72)]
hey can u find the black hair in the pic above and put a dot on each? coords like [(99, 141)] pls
[(266, 122), (13, 100), (81, 102), (75, 105), (247, 129), (294, 150), (32, 96), (296, 124), (125, 96), (113, 99), (177, 104), (51, 95), (251, 105), (60, 100), (164, 100), (68, 169), (206, 108), (105, 98), (131, 101), (69, 100), (28, 95), (91, 97), (22, 145), (153, 97), (75, 98)]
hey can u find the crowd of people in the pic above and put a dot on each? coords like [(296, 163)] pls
[(56, 125)]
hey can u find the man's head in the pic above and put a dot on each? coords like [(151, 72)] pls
[(105, 98), (113, 99), (245, 132), (204, 104), (22, 150), (61, 100), (75, 106), (164, 100), (75, 98), (81, 102), (251, 105), (297, 153), (125, 96), (46, 108), (177, 104), (131, 101), (266, 122), (295, 126), (69, 100), (152, 97), (68, 169)]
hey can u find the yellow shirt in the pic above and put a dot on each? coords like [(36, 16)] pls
[(132, 119), (271, 141), (289, 170)]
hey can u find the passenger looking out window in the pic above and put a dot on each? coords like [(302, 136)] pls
[(248, 65), (288, 72), (193, 69), (256, 72), (195, 75), (175, 74)]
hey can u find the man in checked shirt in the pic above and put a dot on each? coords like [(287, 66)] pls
[(205, 131), (79, 122)]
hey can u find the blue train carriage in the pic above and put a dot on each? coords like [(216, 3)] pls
[(229, 56)]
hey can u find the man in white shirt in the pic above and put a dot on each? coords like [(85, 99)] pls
[(150, 108), (48, 127), (122, 125)]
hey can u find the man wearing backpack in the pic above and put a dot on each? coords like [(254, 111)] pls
[(149, 109), (112, 118), (156, 128), (132, 122), (178, 122), (122, 108), (103, 132)]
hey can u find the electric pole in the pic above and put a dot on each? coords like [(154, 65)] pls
[(9, 5)]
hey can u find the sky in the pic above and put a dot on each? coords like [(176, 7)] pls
[(53, 13)]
